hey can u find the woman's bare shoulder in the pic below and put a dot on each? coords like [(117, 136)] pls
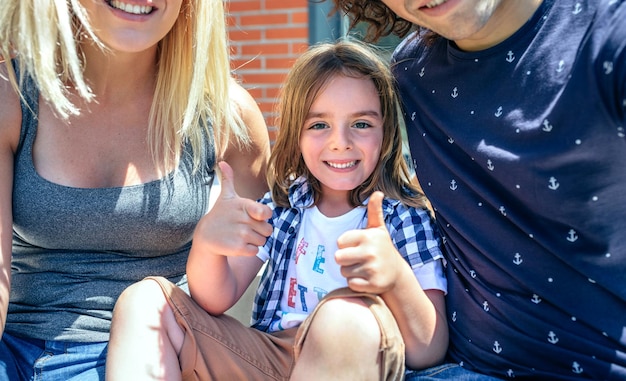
[(249, 163), (10, 111)]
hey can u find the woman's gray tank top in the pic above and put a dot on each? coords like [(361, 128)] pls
[(75, 250)]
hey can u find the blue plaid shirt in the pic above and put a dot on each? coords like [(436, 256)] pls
[(410, 228)]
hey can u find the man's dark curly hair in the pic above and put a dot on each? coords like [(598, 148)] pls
[(381, 20)]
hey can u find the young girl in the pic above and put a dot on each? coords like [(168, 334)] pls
[(351, 278), (112, 117)]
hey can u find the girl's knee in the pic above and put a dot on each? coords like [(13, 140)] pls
[(343, 334), (347, 318)]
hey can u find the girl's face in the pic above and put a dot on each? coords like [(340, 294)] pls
[(131, 25), (342, 135)]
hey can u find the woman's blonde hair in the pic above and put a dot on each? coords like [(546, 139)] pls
[(306, 80), (193, 77)]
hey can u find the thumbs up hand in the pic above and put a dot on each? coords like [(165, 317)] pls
[(235, 226), (368, 258)]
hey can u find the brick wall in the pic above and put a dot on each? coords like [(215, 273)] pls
[(266, 36)]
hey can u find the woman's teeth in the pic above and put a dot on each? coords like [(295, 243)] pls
[(131, 8)]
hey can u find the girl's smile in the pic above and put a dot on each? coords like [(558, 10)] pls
[(342, 165)]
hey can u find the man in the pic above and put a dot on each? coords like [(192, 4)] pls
[(515, 113)]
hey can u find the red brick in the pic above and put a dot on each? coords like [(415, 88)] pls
[(236, 34), (242, 6), (299, 47), (273, 92), (266, 49), (279, 63), (264, 78), (265, 19), (286, 33), (300, 18), (245, 64), (285, 4), (255, 92)]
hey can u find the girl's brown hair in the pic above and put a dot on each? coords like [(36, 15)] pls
[(308, 77)]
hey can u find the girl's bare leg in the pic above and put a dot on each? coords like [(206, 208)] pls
[(342, 344)]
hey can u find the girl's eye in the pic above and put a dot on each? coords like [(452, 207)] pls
[(361, 125), (318, 126)]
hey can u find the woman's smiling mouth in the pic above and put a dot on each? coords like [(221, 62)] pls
[(134, 9)]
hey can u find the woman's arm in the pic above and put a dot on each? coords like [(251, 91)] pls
[(10, 121), (249, 163)]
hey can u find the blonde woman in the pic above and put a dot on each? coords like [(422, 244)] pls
[(112, 117)]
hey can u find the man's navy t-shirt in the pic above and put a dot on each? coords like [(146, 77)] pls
[(521, 149)]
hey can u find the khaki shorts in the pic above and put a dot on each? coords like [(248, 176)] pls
[(221, 348)]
